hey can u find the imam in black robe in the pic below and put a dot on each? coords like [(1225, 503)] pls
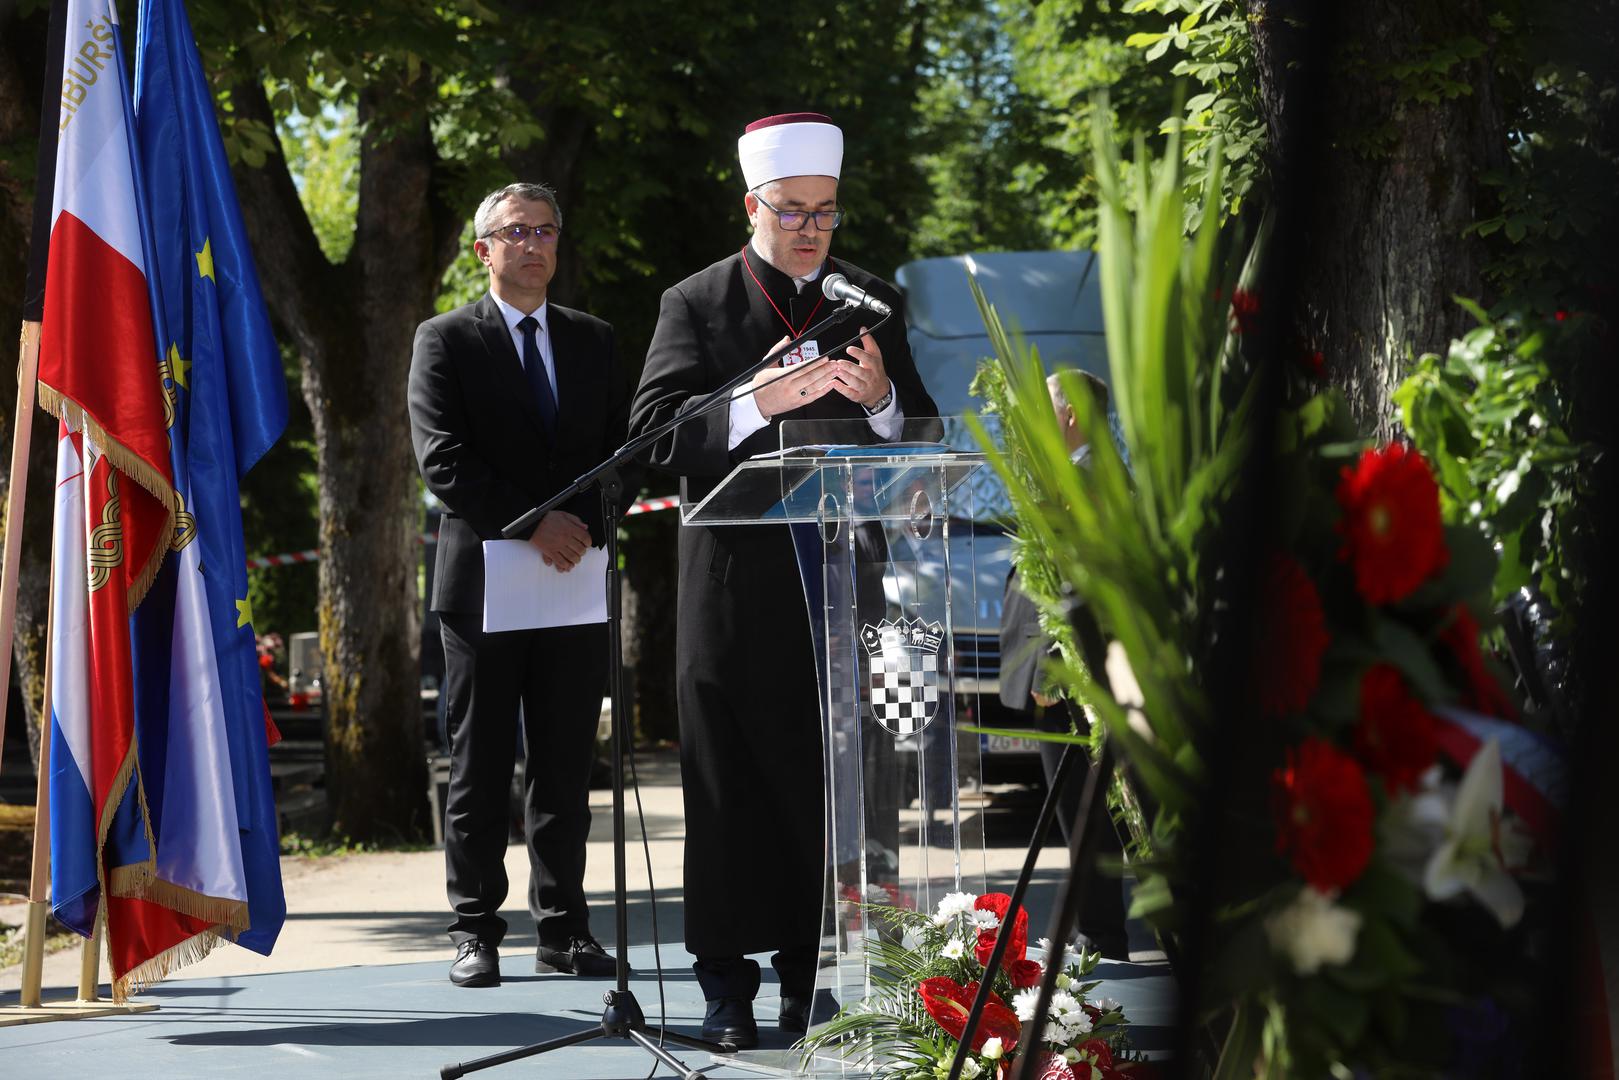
[(750, 726)]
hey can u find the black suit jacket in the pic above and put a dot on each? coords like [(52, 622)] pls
[(476, 430), (1025, 646)]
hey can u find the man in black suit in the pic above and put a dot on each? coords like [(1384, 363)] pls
[(1024, 648), (511, 398), (750, 727)]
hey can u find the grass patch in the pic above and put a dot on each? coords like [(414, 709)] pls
[(57, 938), (326, 845)]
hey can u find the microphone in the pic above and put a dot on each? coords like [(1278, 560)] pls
[(837, 287)]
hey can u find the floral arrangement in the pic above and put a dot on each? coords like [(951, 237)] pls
[(1383, 822), (1406, 811), (927, 970)]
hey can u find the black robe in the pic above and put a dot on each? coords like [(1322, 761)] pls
[(750, 738)]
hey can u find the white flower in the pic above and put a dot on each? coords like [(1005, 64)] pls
[(1024, 1001), (1414, 825), (954, 949), (1126, 691), (992, 1048), (984, 920), (1478, 844), (970, 1069), (953, 904), (1107, 1005), (1313, 931), (1063, 1003)]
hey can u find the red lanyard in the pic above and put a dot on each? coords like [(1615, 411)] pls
[(772, 303)]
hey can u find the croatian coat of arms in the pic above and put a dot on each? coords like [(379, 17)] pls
[(905, 679)]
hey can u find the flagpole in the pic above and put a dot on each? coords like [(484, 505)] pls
[(30, 1008), (22, 432), (39, 879)]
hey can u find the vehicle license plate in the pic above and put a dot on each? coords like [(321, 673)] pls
[(1010, 744)]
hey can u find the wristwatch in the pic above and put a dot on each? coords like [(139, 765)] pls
[(882, 402)]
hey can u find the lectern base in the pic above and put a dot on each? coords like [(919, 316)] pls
[(790, 1063)]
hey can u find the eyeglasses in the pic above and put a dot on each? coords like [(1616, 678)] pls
[(793, 220), (517, 234)]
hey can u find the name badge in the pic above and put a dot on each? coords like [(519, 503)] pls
[(810, 350)]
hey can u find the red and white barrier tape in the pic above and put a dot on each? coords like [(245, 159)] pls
[(645, 506)]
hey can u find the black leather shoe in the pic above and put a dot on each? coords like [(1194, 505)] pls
[(794, 1014), (730, 1021), (580, 956), (476, 964)]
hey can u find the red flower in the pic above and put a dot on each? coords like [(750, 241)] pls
[(1097, 1050), (1390, 525), (1244, 310), (1395, 736), (1018, 946), (1292, 638), (1323, 814), (1051, 1066), (1024, 973), (948, 1002), (1482, 692)]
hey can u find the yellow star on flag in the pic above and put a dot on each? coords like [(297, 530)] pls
[(205, 260), (178, 366), (244, 612)]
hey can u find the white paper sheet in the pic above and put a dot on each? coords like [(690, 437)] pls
[(520, 592)]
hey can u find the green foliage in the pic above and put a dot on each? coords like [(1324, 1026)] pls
[(1490, 418), (1065, 53), (1131, 546), (1209, 46), (1552, 230), (975, 137), (330, 844), (323, 156)]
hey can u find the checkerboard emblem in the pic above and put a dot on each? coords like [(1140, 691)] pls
[(904, 660)]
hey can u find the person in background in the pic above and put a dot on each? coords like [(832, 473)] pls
[(1024, 649)]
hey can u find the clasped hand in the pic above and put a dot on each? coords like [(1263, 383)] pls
[(860, 378), (562, 539)]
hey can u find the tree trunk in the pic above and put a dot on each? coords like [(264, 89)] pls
[(353, 325), (1398, 183), (21, 77)]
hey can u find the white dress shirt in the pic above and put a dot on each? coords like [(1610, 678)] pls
[(542, 336), (746, 417)]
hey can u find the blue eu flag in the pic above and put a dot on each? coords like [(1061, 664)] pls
[(224, 377)]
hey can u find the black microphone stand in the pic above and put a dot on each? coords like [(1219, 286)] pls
[(623, 1017)]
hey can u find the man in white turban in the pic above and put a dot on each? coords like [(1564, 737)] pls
[(750, 741)]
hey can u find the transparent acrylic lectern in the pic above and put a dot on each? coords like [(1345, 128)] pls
[(885, 550)]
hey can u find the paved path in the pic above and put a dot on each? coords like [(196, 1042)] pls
[(390, 907)]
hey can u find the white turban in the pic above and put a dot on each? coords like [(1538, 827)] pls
[(791, 144)]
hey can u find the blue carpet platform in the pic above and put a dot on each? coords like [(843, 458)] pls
[(407, 1020)]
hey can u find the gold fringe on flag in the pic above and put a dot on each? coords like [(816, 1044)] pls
[(152, 971), (140, 881), (131, 465)]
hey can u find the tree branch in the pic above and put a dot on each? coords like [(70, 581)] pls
[(298, 281)]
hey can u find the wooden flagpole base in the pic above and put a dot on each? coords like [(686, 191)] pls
[(13, 1015), (31, 1010)]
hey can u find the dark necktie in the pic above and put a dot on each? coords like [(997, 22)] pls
[(534, 367)]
